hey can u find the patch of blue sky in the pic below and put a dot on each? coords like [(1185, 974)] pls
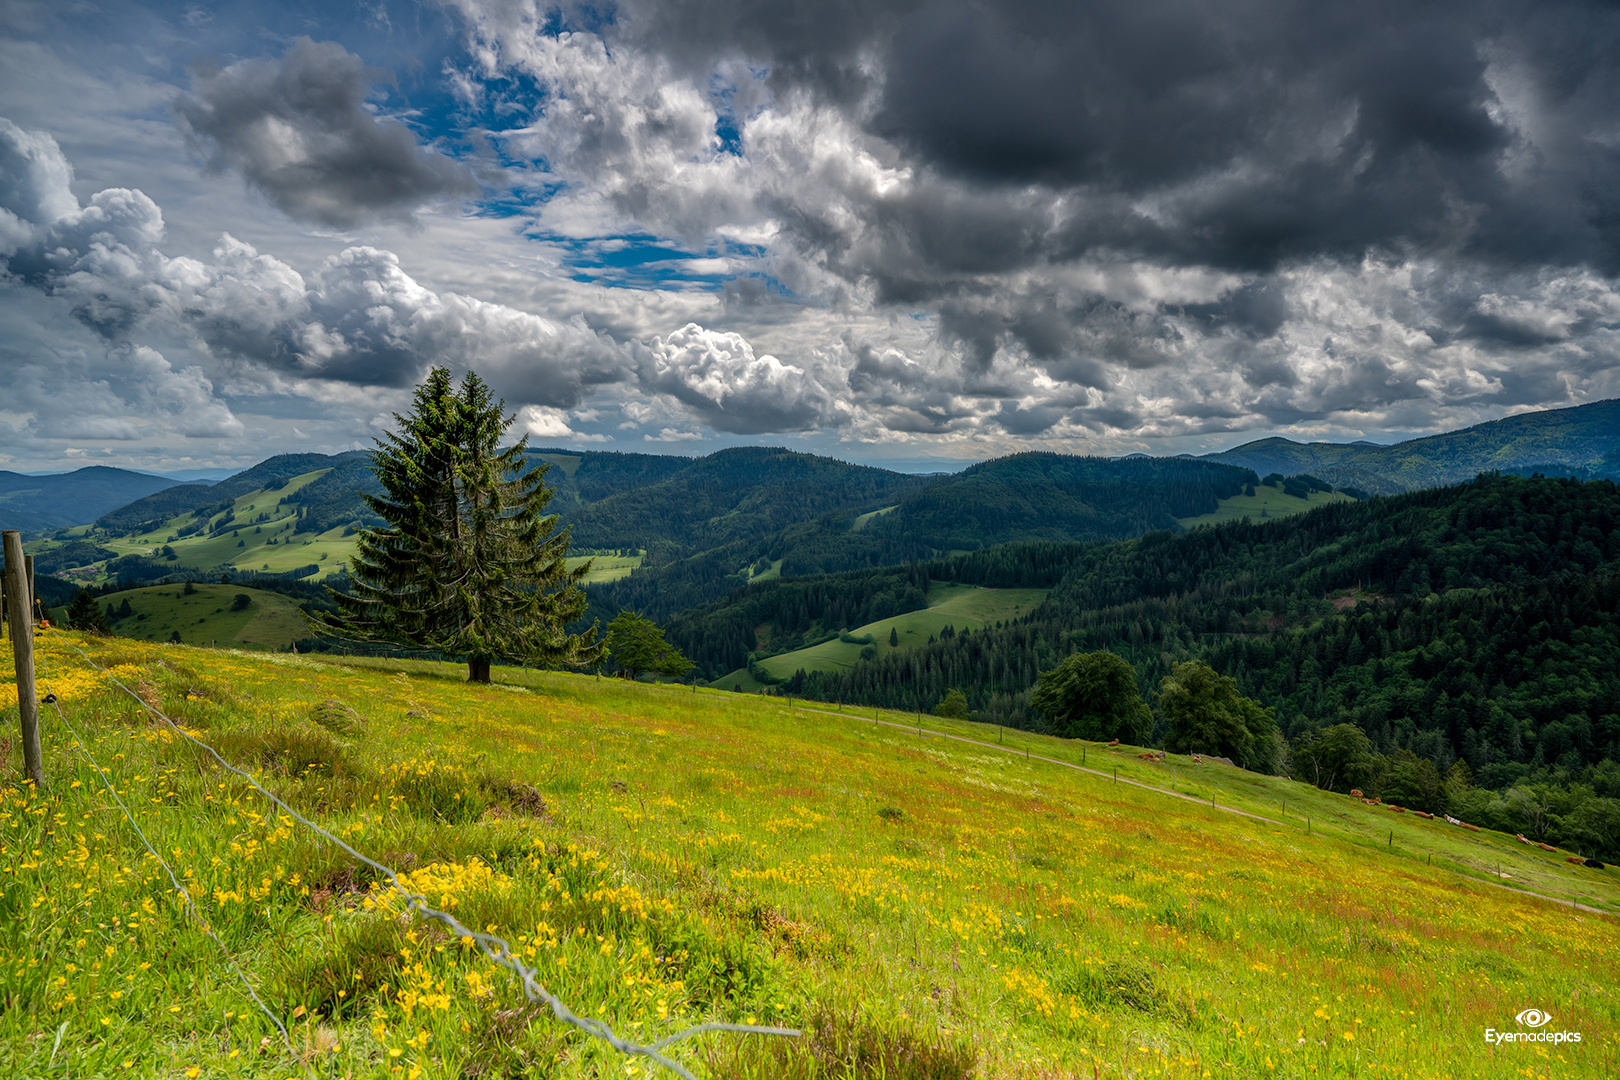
[(519, 200), (487, 107), (638, 261)]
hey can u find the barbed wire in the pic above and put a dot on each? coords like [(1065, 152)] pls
[(185, 894), (494, 947)]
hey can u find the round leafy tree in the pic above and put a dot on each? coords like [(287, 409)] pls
[(636, 645), (1094, 696), (1207, 715), (467, 563)]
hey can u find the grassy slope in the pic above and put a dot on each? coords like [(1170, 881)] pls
[(1266, 502), (330, 549), (271, 622), (288, 552), (860, 522), (962, 606), (708, 856), (606, 567)]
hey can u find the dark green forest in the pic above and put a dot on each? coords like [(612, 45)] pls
[(1019, 498), (1475, 624)]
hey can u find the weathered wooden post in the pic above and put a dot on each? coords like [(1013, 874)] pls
[(22, 649)]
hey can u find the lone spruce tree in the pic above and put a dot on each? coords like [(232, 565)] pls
[(467, 563)]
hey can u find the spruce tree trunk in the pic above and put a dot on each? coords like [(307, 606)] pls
[(478, 669)]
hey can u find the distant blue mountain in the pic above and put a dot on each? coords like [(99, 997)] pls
[(45, 502)]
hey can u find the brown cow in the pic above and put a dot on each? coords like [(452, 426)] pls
[(1575, 859), (1355, 793), (1547, 847), (1115, 742)]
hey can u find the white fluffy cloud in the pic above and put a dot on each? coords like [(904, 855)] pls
[(718, 377), (359, 319)]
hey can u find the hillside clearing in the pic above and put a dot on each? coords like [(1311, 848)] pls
[(960, 606), (207, 616), (1266, 502), (260, 537)]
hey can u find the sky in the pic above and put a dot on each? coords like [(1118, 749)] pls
[(900, 233)]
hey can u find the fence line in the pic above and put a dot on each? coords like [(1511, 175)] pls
[(174, 880), (492, 946)]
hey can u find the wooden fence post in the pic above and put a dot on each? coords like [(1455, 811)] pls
[(18, 614)]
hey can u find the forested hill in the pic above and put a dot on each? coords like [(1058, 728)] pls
[(1027, 496), (737, 494), (1583, 441), (1478, 622)]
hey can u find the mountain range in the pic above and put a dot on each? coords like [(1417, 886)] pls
[(1581, 441)]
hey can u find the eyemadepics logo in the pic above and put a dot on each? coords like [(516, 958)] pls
[(1531, 1018)]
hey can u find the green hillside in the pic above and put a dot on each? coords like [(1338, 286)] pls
[(1585, 438), (959, 607), (1267, 502), (916, 906), (254, 533), (208, 615)]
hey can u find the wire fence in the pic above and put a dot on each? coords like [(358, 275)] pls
[(191, 905), (492, 946)]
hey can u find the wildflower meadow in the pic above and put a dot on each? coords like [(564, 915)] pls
[(914, 906)]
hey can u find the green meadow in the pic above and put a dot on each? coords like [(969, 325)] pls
[(961, 606), (261, 538), (1266, 502), (918, 907), (605, 567), (208, 615)]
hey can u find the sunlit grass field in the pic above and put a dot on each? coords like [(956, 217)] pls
[(207, 615), (252, 545), (964, 607), (919, 907), (1266, 502)]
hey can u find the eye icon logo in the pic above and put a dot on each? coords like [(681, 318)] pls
[(1532, 1018)]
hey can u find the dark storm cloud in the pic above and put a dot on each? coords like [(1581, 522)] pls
[(1262, 130), (299, 131)]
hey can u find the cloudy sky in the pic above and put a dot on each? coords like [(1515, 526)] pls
[(904, 233)]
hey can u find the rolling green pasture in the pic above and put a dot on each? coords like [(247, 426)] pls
[(920, 908), (271, 622), (267, 546), (962, 606), (1266, 502)]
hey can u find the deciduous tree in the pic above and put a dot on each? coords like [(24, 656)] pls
[(1094, 696), (636, 645), (1207, 715)]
